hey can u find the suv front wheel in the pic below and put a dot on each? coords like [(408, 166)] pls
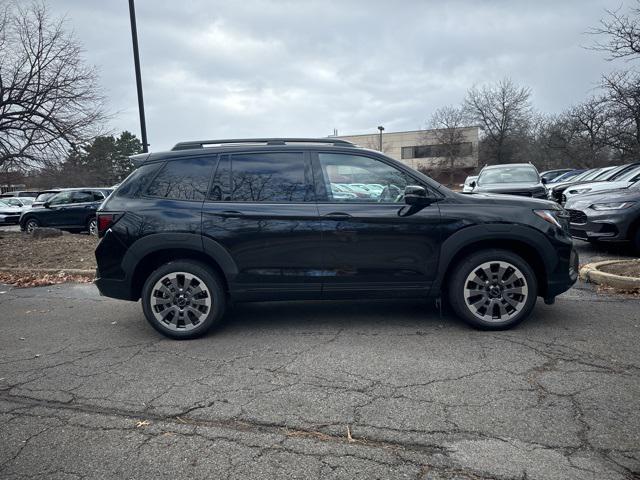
[(493, 289), (183, 299)]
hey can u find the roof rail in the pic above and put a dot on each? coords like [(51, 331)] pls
[(267, 141)]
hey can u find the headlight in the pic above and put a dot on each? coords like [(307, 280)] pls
[(611, 206), (579, 191), (555, 217)]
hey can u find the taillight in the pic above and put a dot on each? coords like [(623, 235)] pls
[(106, 220)]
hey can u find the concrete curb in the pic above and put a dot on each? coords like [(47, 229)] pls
[(63, 271), (591, 273)]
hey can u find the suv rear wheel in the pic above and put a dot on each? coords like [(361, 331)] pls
[(493, 289), (92, 226), (183, 299)]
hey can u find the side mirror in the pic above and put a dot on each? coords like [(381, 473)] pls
[(416, 195), (46, 205), (544, 180), (473, 184)]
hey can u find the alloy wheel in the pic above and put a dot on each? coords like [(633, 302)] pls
[(93, 227), (31, 226), (180, 301), (495, 291)]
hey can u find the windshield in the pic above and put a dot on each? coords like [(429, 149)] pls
[(590, 175), (4, 204), (43, 197), (629, 176), (520, 174), (604, 174), (565, 176)]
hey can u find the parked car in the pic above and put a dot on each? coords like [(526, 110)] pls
[(21, 193), (24, 203), (607, 216), (622, 180), (466, 186), (72, 209), (554, 192), (549, 175), (566, 176), (193, 229), (512, 179), (9, 214)]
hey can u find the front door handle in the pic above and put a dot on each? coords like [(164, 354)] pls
[(231, 214), (337, 215)]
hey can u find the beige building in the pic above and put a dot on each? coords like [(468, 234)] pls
[(422, 148)]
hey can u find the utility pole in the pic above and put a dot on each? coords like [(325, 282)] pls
[(381, 128), (136, 61)]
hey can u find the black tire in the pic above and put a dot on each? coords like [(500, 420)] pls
[(92, 226), (30, 225), (505, 301), (177, 317)]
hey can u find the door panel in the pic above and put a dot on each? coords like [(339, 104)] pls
[(379, 246), (273, 235), (373, 243)]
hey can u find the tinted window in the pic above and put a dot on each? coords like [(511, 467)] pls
[(353, 178), (61, 198), (82, 197), (184, 179), (270, 177), (132, 186)]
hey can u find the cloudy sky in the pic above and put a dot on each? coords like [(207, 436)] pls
[(215, 69)]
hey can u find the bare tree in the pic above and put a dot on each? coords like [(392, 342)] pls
[(622, 32), (447, 124), (49, 99), (623, 102), (503, 112)]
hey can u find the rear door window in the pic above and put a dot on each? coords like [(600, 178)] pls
[(82, 197), (278, 177)]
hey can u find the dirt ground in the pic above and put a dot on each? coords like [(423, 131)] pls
[(20, 250), (631, 269)]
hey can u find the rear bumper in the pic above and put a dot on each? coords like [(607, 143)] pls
[(109, 287)]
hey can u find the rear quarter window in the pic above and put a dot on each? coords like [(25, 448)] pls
[(133, 185), (182, 179)]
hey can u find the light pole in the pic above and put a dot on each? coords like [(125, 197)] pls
[(136, 61), (381, 128)]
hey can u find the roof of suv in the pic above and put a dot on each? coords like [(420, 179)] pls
[(503, 165), (197, 147)]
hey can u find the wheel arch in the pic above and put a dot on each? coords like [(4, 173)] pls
[(526, 242), (148, 253)]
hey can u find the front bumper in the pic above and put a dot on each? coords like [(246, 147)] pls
[(9, 219), (606, 226), (564, 276)]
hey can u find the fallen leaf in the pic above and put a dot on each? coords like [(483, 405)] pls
[(142, 423)]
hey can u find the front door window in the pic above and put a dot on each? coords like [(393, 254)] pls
[(356, 178)]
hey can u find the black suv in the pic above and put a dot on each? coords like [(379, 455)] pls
[(265, 219), (72, 209)]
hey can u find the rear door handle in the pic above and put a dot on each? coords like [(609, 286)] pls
[(337, 215)]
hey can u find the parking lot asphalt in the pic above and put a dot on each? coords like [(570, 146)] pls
[(377, 389)]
